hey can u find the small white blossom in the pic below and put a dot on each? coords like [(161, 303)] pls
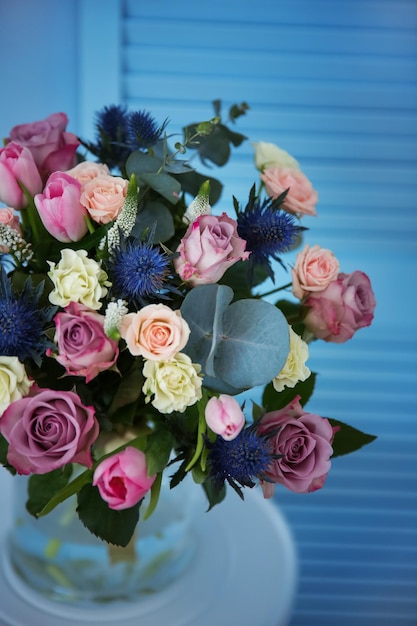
[(200, 205), (114, 314)]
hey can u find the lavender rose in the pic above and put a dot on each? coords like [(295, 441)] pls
[(52, 147), (303, 443), (346, 305), (48, 430), (83, 347), (209, 247)]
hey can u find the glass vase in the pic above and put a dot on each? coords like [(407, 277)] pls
[(59, 558)]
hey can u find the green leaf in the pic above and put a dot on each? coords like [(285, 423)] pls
[(158, 450), (192, 181), (154, 496), (214, 495), (155, 213), (115, 527), (228, 339), (4, 447), (66, 492), (273, 400), (41, 488), (167, 186), (348, 439), (129, 389), (140, 163)]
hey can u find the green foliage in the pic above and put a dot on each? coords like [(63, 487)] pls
[(273, 401), (214, 495), (158, 449), (115, 527), (4, 446), (41, 488), (348, 439)]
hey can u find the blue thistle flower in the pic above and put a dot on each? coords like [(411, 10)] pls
[(23, 321), (111, 146), (267, 229), (240, 460), (143, 130), (139, 271)]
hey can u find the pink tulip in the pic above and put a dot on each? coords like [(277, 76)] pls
[(122, 479), (224, 416), (17, 166), (60, 209)]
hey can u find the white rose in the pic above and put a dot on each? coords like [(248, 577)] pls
[(294, 369), (175, 384), (269, 155), (77, 278), (14, 383)]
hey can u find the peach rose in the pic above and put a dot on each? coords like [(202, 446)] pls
[(314, 269), (156, 332), (103, 197), (88, 170), (301, 197)]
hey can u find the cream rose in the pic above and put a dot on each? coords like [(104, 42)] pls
[(301, 197), (77, 278), (270, 155), (156, 332), (104, 197), (314, 269), (14, 382), (294, 369), (174, 384), (87, 170)]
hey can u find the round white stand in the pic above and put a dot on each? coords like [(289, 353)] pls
[(244, 572)]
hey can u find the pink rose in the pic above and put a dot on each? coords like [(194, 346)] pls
[(60, 209), (104, 197), (156, 332), (85, 171), (10, 219), (17, 166), (346, 305), (83, 347), (301, 197), (48, 430), (122, 479), (224, 416), (314, 269), (209, 247), (51, 146), (303, 444)]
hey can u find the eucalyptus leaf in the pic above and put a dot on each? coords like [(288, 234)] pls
[(167, 186), (115, 527), (140, 163), (240, 345), (179, 166), (155, 214), (192, 181)]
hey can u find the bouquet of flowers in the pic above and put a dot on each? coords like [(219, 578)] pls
[(135, 339)]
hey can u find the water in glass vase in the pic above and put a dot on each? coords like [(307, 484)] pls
[(59, 558)]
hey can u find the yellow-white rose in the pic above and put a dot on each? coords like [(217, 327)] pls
[(14, 383), (77, 278), (269, 155), (294, 369), (174, 384)]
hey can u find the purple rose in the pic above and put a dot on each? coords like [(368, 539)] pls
[(17, 166), (83, 347), (60, 208), (346, 305), (303, 444), (48, 430), (51, 146), (209, 247)]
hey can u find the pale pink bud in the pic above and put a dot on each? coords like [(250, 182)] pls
[(224, 416)]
